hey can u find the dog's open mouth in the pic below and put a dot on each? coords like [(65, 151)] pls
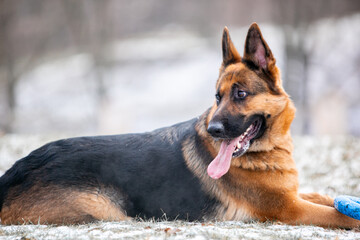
[(231, 148)]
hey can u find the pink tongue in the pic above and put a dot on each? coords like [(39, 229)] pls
[(221, 164)]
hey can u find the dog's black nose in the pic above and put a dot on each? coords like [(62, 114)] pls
[(216, 129)]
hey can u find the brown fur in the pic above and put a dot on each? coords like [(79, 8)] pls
[(263, 183), (56, 205)]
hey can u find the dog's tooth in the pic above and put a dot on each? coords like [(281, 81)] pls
[(249, 129)]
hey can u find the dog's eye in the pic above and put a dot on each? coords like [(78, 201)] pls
[(218, 98), (240, 94)]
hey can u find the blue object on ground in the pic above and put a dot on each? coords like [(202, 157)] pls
[(348, 205)]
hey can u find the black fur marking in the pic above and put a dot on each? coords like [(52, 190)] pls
[(148, 167), (235, 125), (250, 64)]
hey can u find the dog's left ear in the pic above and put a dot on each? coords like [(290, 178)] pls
[(257, 51)]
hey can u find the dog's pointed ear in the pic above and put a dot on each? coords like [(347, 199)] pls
[(230, 54), (256, 49)]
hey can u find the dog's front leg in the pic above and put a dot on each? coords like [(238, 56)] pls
[(318, 198), (301, 211)]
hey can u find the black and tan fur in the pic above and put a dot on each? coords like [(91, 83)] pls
[(163, 173)]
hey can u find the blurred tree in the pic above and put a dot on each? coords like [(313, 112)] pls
[(7, 61), (33, 29), (88, 25), (18, 54), (296, 17)]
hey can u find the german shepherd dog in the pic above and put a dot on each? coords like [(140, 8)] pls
[(234, 162)]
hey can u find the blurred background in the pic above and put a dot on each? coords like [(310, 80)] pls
[(79, 67)]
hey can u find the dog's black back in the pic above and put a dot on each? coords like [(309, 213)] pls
[(145, 174)]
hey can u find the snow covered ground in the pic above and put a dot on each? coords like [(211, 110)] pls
[(174, 230), (327, 165)]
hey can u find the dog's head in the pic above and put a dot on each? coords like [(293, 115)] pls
[(252, 112)]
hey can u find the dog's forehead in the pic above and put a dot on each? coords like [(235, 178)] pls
[(242, 76)]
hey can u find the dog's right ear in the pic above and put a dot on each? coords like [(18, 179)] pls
[(230, 54)]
